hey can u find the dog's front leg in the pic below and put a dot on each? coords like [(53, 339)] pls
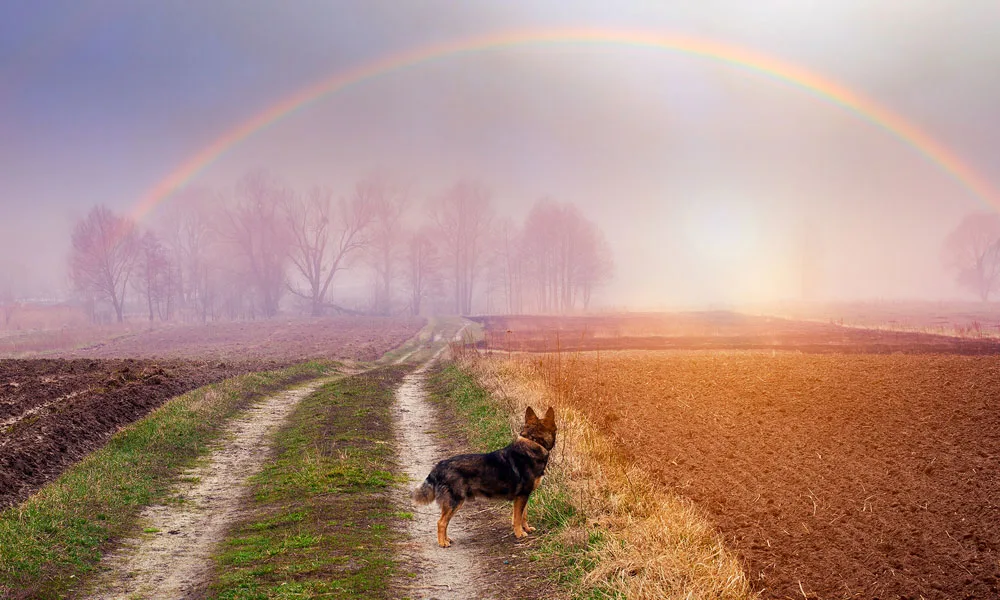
[(524, 517), (517, 518)]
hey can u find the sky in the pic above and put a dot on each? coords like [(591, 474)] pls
[(705, 177)]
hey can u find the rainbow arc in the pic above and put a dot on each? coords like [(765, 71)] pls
[(786, 72)]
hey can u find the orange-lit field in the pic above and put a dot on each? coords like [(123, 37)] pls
[(836, 461), (837, 475), (966, 319)]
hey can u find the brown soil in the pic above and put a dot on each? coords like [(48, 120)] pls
[(834, 476), (718, 330), (53, 412)]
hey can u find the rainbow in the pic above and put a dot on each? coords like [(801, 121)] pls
[(743, 58)]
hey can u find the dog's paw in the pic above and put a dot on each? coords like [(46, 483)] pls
[(529, 528), (445, 543), (520, 534)]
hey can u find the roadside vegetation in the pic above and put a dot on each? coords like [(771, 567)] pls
[(614, 533), (321, 521), (53, 539)]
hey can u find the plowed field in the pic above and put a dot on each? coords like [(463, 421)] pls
[(275, 342), (833, 476), (55, 411)]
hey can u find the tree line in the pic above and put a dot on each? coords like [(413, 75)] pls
[(264, 245)]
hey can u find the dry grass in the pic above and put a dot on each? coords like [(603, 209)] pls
[(655, 544)]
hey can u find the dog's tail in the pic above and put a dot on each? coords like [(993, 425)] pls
[(425, 493)]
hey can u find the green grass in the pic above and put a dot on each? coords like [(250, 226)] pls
[(321, 522), (52, 540), (486, 422)]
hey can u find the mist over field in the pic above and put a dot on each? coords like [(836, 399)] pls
[(701, 183), (707, 291)]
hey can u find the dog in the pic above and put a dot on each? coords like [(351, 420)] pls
[(512, 473)]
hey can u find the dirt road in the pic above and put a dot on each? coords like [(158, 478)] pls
[(172, 556)]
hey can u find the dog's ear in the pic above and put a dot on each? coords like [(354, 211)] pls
[(550, 418), (530, 416)]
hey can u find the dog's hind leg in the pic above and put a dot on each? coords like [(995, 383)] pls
[(448, 510), (517, 519)]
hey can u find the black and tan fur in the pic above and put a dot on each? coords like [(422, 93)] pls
[(511, 473)]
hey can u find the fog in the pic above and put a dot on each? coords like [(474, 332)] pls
[(708, 181)]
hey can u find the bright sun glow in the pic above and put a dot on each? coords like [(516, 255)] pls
[(722, 232)]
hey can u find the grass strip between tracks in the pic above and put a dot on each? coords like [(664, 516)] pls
[(49, 542), (321, 521)]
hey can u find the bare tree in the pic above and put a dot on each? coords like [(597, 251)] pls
[(541, 246), (153, 274), (492, 283), (594, 265), (462, 216), (325, 236), (389, 204), (511, 259), (256, 227), (190, 238), (423, 273), (104, 250), (972, 251), (565, 257)]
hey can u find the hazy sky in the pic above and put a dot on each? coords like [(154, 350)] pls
[(700, 173)]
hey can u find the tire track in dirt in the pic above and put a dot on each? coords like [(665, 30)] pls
[(173, 560), (466, 569), (440, 573)]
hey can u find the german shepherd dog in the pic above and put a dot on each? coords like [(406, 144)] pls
[(511, 473)]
